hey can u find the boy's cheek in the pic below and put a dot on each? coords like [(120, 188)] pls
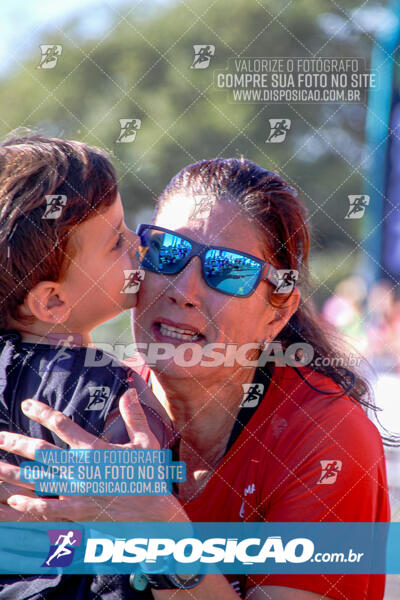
[(134, 259), (129, 301), (133, 300), (133, 279)]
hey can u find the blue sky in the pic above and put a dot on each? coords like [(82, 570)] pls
[(23, 21)]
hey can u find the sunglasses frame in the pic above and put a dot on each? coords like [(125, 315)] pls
[(267, 272)]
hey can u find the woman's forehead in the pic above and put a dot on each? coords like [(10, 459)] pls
[(208, 220), (182, 209)]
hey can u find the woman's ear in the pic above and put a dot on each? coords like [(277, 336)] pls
[(283, 313), (47, 302)]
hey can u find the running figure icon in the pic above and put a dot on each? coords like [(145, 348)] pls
[(278, 130), (357, 207), (287, 280), (62, 542)]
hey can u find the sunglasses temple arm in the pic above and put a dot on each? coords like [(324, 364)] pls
[(272, 275)]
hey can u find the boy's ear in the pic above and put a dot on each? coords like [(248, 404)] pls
[(47, 302), (283, 313)]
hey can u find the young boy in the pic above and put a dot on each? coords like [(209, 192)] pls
[(67, 258)]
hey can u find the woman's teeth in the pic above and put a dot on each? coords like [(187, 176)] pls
[(181, 334)]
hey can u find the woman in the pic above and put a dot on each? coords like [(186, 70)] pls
[(303, 449)]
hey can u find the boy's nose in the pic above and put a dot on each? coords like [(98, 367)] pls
[(133, 241)]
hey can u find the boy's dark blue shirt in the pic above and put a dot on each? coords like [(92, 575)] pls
[(68, 380)]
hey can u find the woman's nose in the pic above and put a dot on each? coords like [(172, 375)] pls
[(188, 287)]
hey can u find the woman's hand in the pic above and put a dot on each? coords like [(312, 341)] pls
[(83, 508), (8, 514)]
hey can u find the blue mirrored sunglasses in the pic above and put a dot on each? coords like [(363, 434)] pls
[(225, 270)]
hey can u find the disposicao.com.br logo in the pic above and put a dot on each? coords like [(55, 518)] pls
[(222, 551), (227, 554), (191, 550)]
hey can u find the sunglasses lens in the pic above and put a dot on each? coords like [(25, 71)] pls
[(163, 252), (231, 273)]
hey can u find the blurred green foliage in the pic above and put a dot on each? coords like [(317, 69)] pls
[(139, 67)]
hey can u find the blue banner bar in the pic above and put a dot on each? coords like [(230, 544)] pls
[(248, 548)]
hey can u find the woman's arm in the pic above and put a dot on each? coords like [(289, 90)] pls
[(217, 586), (85, 508), (121, 508), (277, 592), (212, 586)]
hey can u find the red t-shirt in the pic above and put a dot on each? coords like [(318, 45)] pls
[(275, 471)]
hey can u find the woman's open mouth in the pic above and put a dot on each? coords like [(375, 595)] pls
[(166, 332)]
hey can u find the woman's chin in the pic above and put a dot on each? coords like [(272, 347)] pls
[(169, 369)]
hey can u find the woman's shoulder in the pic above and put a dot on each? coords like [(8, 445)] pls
[(325, 457), (303, 390), (313, 406)]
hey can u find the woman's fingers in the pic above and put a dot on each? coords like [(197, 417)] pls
[(85, 508), (36, 507), (10, 474), (61, 425), (136, 422), (74, 435), (22, 444), (9, 515), (100, 508), (9, 489)]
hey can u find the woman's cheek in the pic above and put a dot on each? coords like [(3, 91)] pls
[(149, 290)]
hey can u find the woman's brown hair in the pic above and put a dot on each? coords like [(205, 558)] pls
[(276, 209)]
